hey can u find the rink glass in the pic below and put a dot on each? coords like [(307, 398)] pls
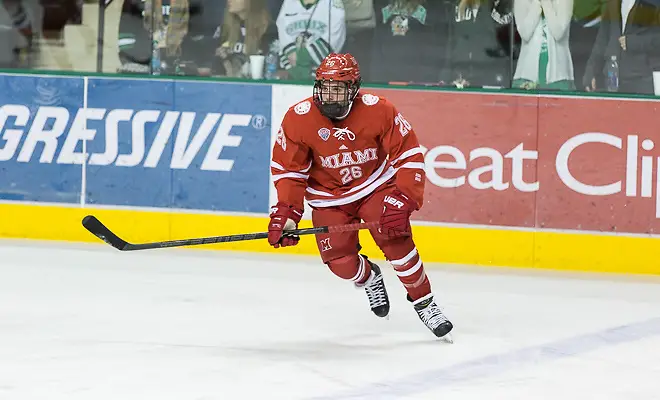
[(467, 45)]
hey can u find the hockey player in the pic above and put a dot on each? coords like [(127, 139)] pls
[(354, 157)]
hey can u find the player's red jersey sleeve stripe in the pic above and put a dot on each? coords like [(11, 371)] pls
[(412, 158), (279, 172)]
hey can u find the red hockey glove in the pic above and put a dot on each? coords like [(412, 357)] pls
[(395, 219), (283, 217)]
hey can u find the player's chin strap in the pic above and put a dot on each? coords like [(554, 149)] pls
[(350, 106)]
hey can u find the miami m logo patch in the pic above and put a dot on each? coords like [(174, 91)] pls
[(325, 244)]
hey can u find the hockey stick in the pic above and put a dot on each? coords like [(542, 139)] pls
[(96, 227)]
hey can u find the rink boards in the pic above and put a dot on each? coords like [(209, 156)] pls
[(461, 245), (515, 180)]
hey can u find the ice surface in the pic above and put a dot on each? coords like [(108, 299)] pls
[(89, 322)]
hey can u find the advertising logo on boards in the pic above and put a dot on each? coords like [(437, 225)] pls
[(49, 124), (536, 162), (160, 143)]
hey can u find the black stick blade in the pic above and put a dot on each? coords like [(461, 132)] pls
[(92, 224)]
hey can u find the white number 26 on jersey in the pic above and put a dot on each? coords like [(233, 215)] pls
[(404, 126), (350, 173)]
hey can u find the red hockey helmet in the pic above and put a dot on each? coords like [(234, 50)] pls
[(337, 83)]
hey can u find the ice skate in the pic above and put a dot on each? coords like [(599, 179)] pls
[(376, 292), (431, 315)]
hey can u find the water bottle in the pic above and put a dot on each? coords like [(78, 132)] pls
[(272, 60), (155, 59), (613, 75)]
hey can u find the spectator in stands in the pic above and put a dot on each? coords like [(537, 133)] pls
[(308, 31), (360, 14), (630, 30), (274, 6), (247, 30), (545, 58), (410, 41), (203, 38), (56, 14), (474, 57), (584, 29), (20, 23), (360, 25), (169, 27), (179, 28)]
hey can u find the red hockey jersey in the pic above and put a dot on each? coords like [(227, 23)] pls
[(331, 163)]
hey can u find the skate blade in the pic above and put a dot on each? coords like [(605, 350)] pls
[(448, 338)]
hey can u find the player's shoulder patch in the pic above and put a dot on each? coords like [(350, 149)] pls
[(338, 4), (303, 108), (370, 99)]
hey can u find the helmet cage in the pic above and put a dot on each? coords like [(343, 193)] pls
[(343, 91)]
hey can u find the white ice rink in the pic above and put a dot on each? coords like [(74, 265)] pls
[(89, 322)]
